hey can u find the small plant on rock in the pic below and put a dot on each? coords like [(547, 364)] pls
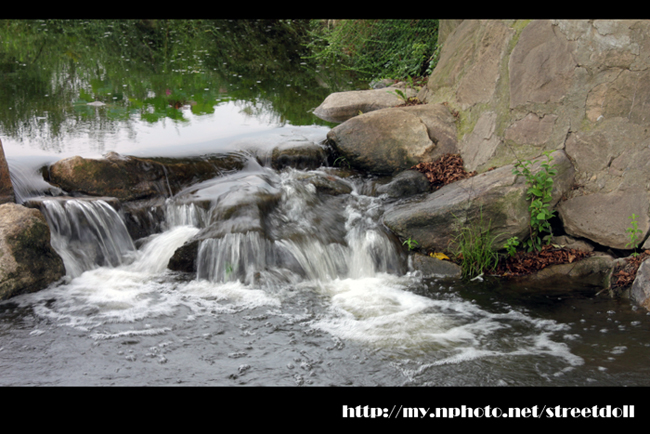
[(633, 233), (410, 243), (511, 246), (540, 186)]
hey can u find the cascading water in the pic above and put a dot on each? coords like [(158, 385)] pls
[(87, 234), (297, 282)]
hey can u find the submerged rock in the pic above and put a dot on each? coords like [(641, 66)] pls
[(28, 262)]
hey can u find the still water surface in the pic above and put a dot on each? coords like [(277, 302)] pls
[(333, 302)]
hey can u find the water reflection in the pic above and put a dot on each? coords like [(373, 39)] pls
[(74, 86)]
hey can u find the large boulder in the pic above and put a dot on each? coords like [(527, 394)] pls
[(28, 262), (497, 196), (131, 178), (341, 106), (522, 87), (388, 141)]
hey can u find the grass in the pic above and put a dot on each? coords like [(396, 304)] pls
[(473, 248)]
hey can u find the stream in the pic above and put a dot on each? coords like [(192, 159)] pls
[(320, 294)]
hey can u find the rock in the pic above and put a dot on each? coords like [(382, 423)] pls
[(522, 87), (388, 141), (571, 243), (405, 184), (144, 217), (591, 271), (325, 183), (603, 218), (299, 155), (28, 263), (236, 204), (184, 258), (6, 187), (640, 290), (131, 178), (341, 106), (429, 266), (498, 195)]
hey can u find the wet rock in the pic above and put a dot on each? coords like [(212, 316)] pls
[(184, 258), (143, 217), (131, 178), (237, 204), (430, 266), (325, 183), (407, 183), (591, 271), (498, 195), (6, 187), (341, 106), (299, 155), (388, 141), (28, 262), (640, 290)]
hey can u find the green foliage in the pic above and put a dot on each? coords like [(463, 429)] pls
[(143, 70), (410, 243), (379, 48), (401, 95), (511, 246), (633, 233), (473, 248), (342, 162), (540, 186)]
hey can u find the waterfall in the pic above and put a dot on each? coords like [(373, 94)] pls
[(307, 235), (27, 180), (87, 233)]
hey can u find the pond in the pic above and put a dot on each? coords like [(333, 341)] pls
[(346, 311)]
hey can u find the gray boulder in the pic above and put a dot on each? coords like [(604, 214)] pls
[(28, 263), (498, 196), (341, 106), (604, 218), (388, 141)]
